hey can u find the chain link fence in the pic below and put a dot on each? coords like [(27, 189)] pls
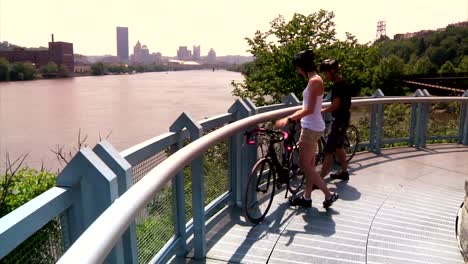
[(215, 162), (45, 246), (396, 123), (444, 120), (155, 223)]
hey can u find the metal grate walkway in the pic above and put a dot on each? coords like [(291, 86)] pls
[(398, 207)]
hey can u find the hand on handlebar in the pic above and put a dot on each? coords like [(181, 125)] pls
[(281, 123)]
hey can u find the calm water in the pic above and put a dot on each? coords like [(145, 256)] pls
[(36, 116)]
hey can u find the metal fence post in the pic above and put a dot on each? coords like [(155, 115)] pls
[(421, 120), (94, 188), (249, 152), (239, 110), (414, 120), (376, 124), (178, 194), (123, 170), (425, 107), (463, 128), (198, 186)]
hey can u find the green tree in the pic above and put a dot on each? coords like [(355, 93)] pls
[(424, 66), (388, 75), (271, 75), (463, 66), (51, 67), (421, 46), (98, 68), (357, 62), (22, 71), (447, 69), (4, 70)]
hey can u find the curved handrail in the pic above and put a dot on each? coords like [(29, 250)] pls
[(112, 223)]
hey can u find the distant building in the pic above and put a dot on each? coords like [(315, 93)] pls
[(62, 54), (196, 53), (156, 58), (59, 52), (183, 53), (38, 57), (122, 43), (109, 59), (211, 56), (425, 33), (141, 54)]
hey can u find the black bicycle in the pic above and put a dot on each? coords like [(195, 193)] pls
[(272, 171), (350, 144)]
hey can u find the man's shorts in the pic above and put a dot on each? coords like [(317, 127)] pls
[(309, 136), (336, 138)]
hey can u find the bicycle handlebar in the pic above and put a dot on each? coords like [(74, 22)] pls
[(250, 135)]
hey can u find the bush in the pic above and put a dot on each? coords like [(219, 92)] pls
[(16, 189), (19, 188), (22, 71), (4, 70)]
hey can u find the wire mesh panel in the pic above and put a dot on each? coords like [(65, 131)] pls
[(142, 168), (396, 123), (360, 117), (444, 120), (45, 246), (215, 161), (155, 223)]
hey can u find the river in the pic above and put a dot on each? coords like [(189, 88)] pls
[(37, 116)]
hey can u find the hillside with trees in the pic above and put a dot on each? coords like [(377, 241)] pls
[(382, 64)]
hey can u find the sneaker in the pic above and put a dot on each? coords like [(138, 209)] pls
[(300, 201), (342, 175), (329, 202)]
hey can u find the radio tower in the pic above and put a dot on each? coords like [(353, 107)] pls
[(381, 29)]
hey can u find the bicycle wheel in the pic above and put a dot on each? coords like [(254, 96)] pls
[(260, 190), (351, 142), (296, 175)]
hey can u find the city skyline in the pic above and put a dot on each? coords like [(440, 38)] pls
[(164, 26)]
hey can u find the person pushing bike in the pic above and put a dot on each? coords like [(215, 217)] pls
[(340, 106), (312, 128)]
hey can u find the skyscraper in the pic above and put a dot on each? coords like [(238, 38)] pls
[(211, 56), (196, 53), (122, 43)]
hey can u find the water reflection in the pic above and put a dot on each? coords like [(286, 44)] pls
[(35, 116)]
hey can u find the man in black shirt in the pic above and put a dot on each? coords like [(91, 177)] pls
[(340, 110)]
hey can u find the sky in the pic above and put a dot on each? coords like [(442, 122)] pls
[(219, 24)]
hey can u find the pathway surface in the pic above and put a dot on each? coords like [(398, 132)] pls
[(398, 207)]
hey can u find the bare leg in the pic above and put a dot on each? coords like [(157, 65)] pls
[(327, 162), (341, 153), (307, 161)]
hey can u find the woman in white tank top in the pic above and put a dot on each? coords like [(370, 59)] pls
[(312, 128)]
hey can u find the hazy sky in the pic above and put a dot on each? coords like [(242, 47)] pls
[(218, 24)]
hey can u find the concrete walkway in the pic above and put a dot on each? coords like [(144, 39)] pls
[(398, 207)]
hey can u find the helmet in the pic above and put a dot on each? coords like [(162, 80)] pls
[(304, 60), (329, 64)]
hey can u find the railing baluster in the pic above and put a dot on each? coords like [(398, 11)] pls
[(240, 110), (198, 186), (123, 170), (376, 129), (463, 128)]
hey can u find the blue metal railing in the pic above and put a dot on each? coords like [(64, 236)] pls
[(108, 210)]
